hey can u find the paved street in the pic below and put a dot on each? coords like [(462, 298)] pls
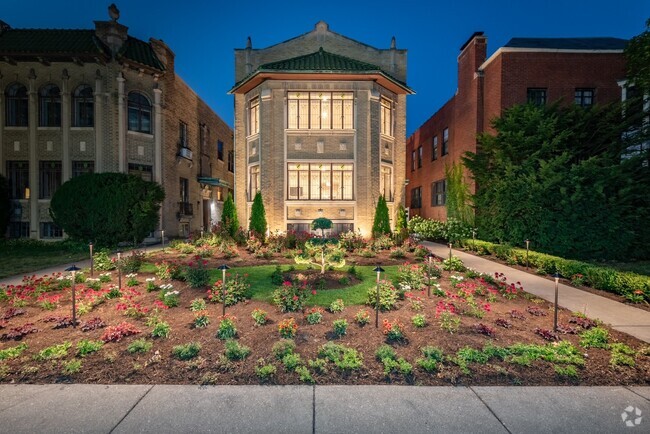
[(85, 408)]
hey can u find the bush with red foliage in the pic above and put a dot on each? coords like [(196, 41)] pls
[(116, 333)]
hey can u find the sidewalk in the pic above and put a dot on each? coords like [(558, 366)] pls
[(627, 319), (320, 409)]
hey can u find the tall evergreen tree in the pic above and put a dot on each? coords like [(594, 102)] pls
[(258, 216), (229, 216), (381, 224)]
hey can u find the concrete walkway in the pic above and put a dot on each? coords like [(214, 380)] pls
[(628, 319), (85, 408)]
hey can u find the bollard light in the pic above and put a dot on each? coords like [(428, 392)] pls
[(223, 269), (74, 270), (527, 246), (162, 238), (377, 270), (119, 271), (92, 260), (429, 258), (474, 238), (450, 246), (557, 282)]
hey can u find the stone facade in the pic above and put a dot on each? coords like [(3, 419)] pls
[(360, 145), (487, 86), (109, 145)]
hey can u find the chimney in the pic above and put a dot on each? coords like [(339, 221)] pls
[(164, 53)]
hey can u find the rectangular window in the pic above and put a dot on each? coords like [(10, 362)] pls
[(416, 197), (185, 206), (254, 116), (231, 161), (320, 110), (182, 134), (386, 183), (536, 96), (50, 178), (420, 157), (412, 161), (19, 229), (82, 167), (386, 116), (18, 177), (341, 228), (253, 181), (220, 150), (584, 97), (298, 227), (439, 193), (142, 170), (50, 230), (434, 148), (320, 181), (445, 141)]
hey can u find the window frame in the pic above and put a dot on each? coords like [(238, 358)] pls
[(420, 157), (231, 161), (580, 97), (144, 171), (344, 172), (439, 193), (434, 148), (416, 198), (386, 182), (83, 107), (386, 116), (219, 150), (53, 231), (537, 95), (50, 175), (18, 178), (49, 106), (253, 181), (254, 115), (445, 142), (320, 105), (78, 171), (182, 134), (16, 105), (139, 104)]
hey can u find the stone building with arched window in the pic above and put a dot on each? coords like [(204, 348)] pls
[(100, 100)]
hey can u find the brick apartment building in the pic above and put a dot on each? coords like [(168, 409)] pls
[(583, 71), (320, 130), (100, 100)]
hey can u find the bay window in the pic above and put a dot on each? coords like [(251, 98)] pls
[(320, 181), (320, 110)]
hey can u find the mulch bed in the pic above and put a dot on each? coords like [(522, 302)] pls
[(113, 364)]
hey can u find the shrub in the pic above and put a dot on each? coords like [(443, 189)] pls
[(453, 264), (351, 241), (410, 277), (362, 317), (116, 333), (291, 296), (277, 277), (344, 358), (340, 327), (337, 306), (236, 351), (161, 330), (426, 229), (259, 316), (85, 347), (168, 270), (385, 352), (291, 361), (381, 223), (387, 296), (53, 352), (229, 218), (169, 296), (265, 372), (196, 273), (102, 260), (394, 331), (621, 355), (198, 304), (116, 207), (132, 263), (287, 328), (449, 322), (419, 320), (187, 351), (314, 315), (304, 374), (12, 352), (201, 319), (594, 338), (433, 356), (283, 347), (237, 290), (140, 346), (227, 328), (258, 216), (71, 367)]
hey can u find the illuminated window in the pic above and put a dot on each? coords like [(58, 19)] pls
[(254, 116), (320, 110), (253, 181), (386, 116), (320, 181), (386, 183)]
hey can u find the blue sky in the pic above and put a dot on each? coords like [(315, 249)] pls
[(204, 33)]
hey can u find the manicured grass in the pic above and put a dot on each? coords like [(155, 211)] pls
[(262, 289), (26, 256)]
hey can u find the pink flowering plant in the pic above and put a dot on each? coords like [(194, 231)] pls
[(291, 296)]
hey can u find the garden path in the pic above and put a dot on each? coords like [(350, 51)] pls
[(622, 317)]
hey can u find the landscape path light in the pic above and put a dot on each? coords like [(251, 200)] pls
[(74, 270), (429, 258), (474, 238), (377, 270), (92, 261), (119, 270), (450, 246), (557, 282), (527, 246), (223, 269)]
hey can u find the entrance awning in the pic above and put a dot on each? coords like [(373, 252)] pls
[(216, 182)]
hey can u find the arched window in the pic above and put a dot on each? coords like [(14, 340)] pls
[(16, 112), (83, 107), (49, 101), (139, 113)]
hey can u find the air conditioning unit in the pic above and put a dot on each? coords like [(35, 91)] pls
[(185, 153)]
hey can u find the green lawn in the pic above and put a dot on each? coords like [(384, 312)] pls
[(27, 256)]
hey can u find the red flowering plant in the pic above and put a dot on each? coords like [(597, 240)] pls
[(415, 301), (287, 328), (237, 290), (116, 333), (447, 314), (291, 296), (509, 291), (196, 273), (49, 301), (168, 270), (394, 331), (131, 308)]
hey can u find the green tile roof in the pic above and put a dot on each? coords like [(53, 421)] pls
[(320, 61), (141, 52), (53, 41)]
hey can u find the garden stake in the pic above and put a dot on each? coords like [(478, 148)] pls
[(92, 261), (74, 269), (223, 269), (527, 243), (119, 271), (378, 270), (557, 280)]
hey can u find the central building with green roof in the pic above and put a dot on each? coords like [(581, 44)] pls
[(320, 130)]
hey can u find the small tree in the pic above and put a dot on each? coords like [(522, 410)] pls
[(323, 253), (401, 224), (258, 216), (321, 223), (229, 216), (5, 205), (381, 226)]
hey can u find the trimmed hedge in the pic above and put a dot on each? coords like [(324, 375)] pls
[(599, 277)]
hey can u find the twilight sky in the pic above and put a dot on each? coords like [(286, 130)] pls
[(204, 33)]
